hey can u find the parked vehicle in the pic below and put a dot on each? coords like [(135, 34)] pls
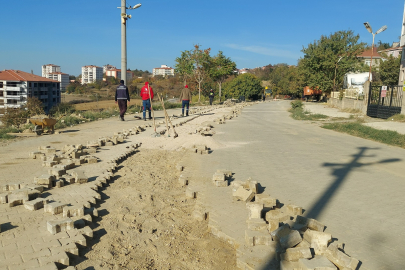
[(312, 94), (355, 81)]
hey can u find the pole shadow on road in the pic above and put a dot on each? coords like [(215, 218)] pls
[(340, 171)]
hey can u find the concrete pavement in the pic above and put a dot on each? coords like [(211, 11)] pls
[(353, 186)]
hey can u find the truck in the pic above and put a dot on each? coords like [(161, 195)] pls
[(312, 94), (355, 81)]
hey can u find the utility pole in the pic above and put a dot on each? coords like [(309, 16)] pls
[(124, 18)]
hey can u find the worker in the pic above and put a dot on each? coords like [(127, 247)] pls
[(122, 97), (211, 96), (146, 99), (185, 98)]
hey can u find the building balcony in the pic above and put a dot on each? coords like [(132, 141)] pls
[(10, 88), (43, 97), (14, 97)]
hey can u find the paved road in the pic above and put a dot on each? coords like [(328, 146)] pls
[(354, 186)]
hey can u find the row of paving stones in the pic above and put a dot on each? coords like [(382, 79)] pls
[(47, 240)]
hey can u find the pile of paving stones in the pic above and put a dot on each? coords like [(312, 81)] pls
[(296, 242), (69, 211)]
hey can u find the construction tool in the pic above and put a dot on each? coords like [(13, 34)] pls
[(153, 114), (163, 106), (168, 118)]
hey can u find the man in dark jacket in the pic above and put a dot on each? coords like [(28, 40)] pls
[(185, 98), (145, 90), (122, 96), (211, 96)]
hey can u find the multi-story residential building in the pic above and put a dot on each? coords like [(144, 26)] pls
[(63, 78), (91, 74), (365, 57), (108, 67), (49, 68), (16, 86), (53, 72), (163, 70), (116, 73)]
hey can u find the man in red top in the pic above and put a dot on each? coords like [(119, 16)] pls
[(146, 89)]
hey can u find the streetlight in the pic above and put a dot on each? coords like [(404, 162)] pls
[(124, 18), (334, 79), (368, 27)]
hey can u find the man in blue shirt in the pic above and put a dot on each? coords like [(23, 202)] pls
[(121, 97)]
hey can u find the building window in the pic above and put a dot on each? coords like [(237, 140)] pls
[(1, 84)]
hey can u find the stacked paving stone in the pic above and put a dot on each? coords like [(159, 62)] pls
[(296, 241), (200, 149), (68, 221)]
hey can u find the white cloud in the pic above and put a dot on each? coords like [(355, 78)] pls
[(265, 51)]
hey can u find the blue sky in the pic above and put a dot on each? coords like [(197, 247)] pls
[(253, 33)]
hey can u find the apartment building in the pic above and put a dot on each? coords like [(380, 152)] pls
[(53, 72), (16, 86), (163, 70), (108, 67), (63, 78), (116, 73), (91, 74), (49, 68)]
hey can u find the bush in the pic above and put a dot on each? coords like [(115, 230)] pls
[(297, 104), (62, 109), (5, 130), (194, 99)]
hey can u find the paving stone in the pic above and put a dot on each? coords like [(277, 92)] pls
[(318, 240), (35, 254), (277, 214), (280, 232), (73, 211), (291, 239), (55, 226), (179, 167), (13, 186), (4, 197), (80, 177), (218, 177), (257, 224), (227, 173), (4, 188), (286, 265), (243, 194), (35, 204), (294, 254), (266, 200), (221, 183), (91, 211), (310, 223), (191, 193), (339, 258), (255, 210), (183, 180), (318, 262), (44, 180), (18, 197), (294, 210), (54, 208), (56, 172), (61, 258), (255, 238)]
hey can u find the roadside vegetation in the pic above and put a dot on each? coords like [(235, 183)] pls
[(298, 113), (359, 130)]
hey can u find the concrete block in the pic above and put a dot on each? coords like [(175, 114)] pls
[(36, 155), (257, 238), (286, 265), (252, 185), (221, 183), (318, 262), (310, 223), (33, 186), (4, 188), (191, 193), (227, 173), (218, 177), (18, 197), (280, 232), (91, 211), (91, 159), (56, 172), (54, 208), (291, 239), (242, 194), (50, 150), (266, 200), (340, 259), (49, 163), (294, 254), (4, 197), (183, 180), (277, 214), (73, 211), (255, 210), (80, 177), (274, 224), (256, 224), (35, 204), (294, 210), (62, 225), (13, 186), (44, 180), (86, 231), (318, 240)]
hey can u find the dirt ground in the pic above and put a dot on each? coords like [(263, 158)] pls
[(148, 224)]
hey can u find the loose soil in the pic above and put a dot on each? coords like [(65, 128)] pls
[(148, 224)]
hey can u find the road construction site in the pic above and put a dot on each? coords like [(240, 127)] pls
[(242, 186)]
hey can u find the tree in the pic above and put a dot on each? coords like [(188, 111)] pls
[(201, 60), (246, 85), (184, 67), (389, 70), (221, 68), (327, 60)]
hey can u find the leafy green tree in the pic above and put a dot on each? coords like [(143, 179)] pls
[(247, 85), (327, 60), (201, 60), (389, 70), (184, 66), (221, 68)]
